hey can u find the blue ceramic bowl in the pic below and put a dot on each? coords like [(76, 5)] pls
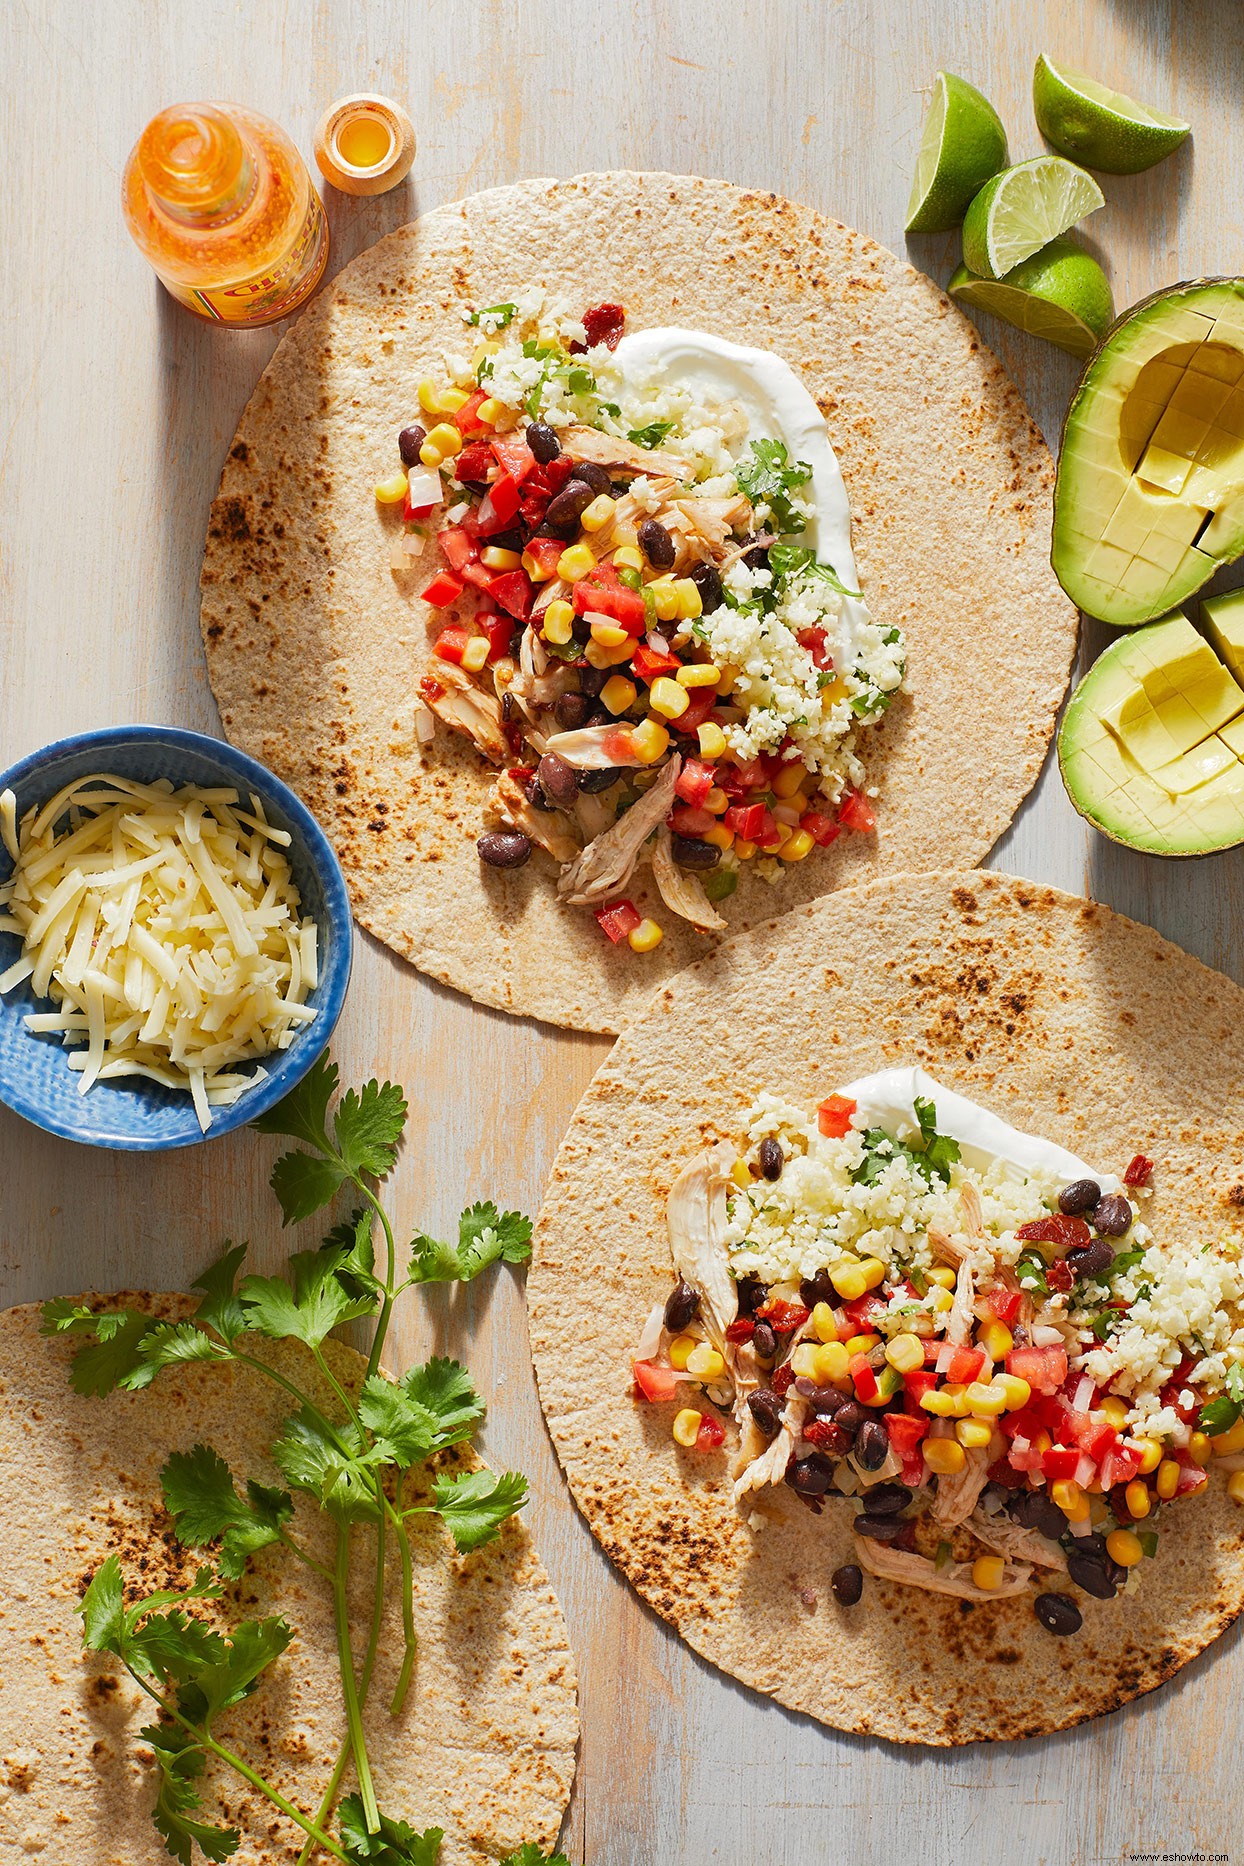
[(133, 1114)]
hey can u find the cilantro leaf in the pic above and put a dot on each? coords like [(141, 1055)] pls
[(652, 435), (369, 1124), (215, 1688), (168, 1344), (1102, 1323), (199, 1495), (769, 478), (788, 561), (308, 1308), (221, 1307), (103, 1609), (446, 1389), (940, 1151), (475, 1504), (434, 1406), (1218, 1415), (180, 1761), (397, 1843), (303, 1113), (332, 1467), (172, 1646), (1030, 1272), (353, 1245), (498, 315), (484, 1235), (304, 1183), (1125, 1260), (532, 1855), (103, 1367)]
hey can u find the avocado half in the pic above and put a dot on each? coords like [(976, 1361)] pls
[(1151, 747), (1149, 500)]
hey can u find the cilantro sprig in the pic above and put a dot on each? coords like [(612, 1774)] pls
[(351, 1457), (932, 1159), (770, 478), (1220, 1414)]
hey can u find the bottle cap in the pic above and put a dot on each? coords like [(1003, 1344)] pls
[(365, 144)]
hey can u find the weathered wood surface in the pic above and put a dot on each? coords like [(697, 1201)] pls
[(117, 411)]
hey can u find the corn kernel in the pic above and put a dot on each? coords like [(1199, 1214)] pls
[(1042, 1441), (823, 1323), (429, 455), (1230, 1441), (797, 847), (597, 655), (860, 1344), (618, 693), (496, 557), (558, 624), (1070, 1499), (429, 397), (1150, 1454), (744, 850), (1115, 1411), (391, 491), (539, 573), (1235, 1486), (988, 1573), (831, 1363), (680, 1348), (490, 411), (741, 1173), (665, 598), (705, 1362), (575, 562), (716, 802), (874, 1271), (699, 674), (451, 401), (475, 654), (956, 1392), (974, 1433), (789, 779), (997, 1340), (647, 935), (906, 1352), (668, 698), (719, 836), (986, 1399), (940, 1300), (688, 594), (608, 634), (1016, 1390), (938, 1402), (650, 740), (1122, 1546), (597, 515), (628, 558), (1136, 1496), (1167, 1480), (1199, 1448), (942, 1275), (946, 1456), (803, 1360), (848, 1280), (712, 740), (445, 438), (686, 1426)]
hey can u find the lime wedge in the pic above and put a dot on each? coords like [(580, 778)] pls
[(1023, 209), (1060, 294), (1099, 126), (962, 144)]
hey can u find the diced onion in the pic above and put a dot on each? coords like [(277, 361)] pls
[(1085, 1393), (1045, 1337), (423, 487), (650, 1338)]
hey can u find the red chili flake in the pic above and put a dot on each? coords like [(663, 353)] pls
[(603, 324), (742, 1330), (827, 1436), (1139, 1172), (1070, 1233), (520, 773), (1059, 1275), (783, 1315), (430, 689), (781, 1381)]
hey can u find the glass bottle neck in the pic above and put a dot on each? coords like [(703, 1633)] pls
[(196, 165)]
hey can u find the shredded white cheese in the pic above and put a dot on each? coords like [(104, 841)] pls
[(165, 927)]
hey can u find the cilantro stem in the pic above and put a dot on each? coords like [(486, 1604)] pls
[(408, 1619), (349, 1689), (322, 1363), (386, 1306), (296, 1548)]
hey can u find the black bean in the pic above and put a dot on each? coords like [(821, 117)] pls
[(751, 1294), (581, 630), (1032, 1509), (543, 442), (766, 1410), (409, 441), (535, 796), (1090, 1573), (1080, 1196), (514, 540), (772, 1159), (707, 579), (1094, 1544), (507, 708), (682, 1306), (592, 476), (816, 1289), (847, 1583), (1092, 1259), (1057, 1614), (765, 1341), (1112, 1216), (872, 1444), (879, 1528), (886, 1499), (558, 780), (593, 781), (757, 558), (566, 507), (827, 1402), (504, 848), (690, 852), (592, 679), (570, 710), (811, 1477), (850, 1417), (657, 545)]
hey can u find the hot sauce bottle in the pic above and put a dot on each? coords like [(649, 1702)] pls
[(220, 202)]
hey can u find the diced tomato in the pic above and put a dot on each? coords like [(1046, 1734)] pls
[(444, 588), (695, 780), (1119, 1466), (499, 507), (1024, 1455), (740, 780), (513, 592), (742, 1329), (602, 594), (650, 664), (544, 554), (655, 1383), (1060, 1462), (473, 463), (751, 822), (685, 821), (783, 1316), (699, 706), (458, 546), (710, 1434), (822, 829), (479, 575), (833, 1115), (916, 1384), (467, 419), (1003, 1303), (1059, 1275), (863, 1312), (864, 1379), (856, 812), (618, 919), (1004, 1473), (500, 633), (783, 1378), (906, 1434), (1140, 1172), (532, 508), (1191, 1476), (965, 1365), (1066, 1233), (603, 324), (451, 643), (1044, 1369), (415, 514), (814, 640), (514, 457), (1177, 1384), (557, 472)]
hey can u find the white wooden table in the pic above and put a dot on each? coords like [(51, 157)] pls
[(117, 411)]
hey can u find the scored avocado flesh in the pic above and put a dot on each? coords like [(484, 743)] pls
[(1150, 494), (1152, 745)]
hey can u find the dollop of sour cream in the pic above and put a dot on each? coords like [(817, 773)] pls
[(887, 1100), (778, 407)]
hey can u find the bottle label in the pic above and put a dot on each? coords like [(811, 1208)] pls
[(276, 291)]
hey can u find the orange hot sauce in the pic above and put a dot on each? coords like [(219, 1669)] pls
[(220, 202)]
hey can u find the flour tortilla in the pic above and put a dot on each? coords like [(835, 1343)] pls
[(485, 1747), (1062, 1017), (315, 648)]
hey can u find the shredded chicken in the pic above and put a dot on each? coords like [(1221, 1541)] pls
[(597, 748), (957, 1496), (682, 892), (960, 1320), (695, 1214), (713, 519), (1010, 1538), (554, 591), (970, 1206), (455, 699), (770, 1466), (608, 451), (946, 1249), (602, 868), (595, 811), (508, 803), (893, 1564), (740, 549)]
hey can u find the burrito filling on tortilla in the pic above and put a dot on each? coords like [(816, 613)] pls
[(963, 1328), (648, 617)]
